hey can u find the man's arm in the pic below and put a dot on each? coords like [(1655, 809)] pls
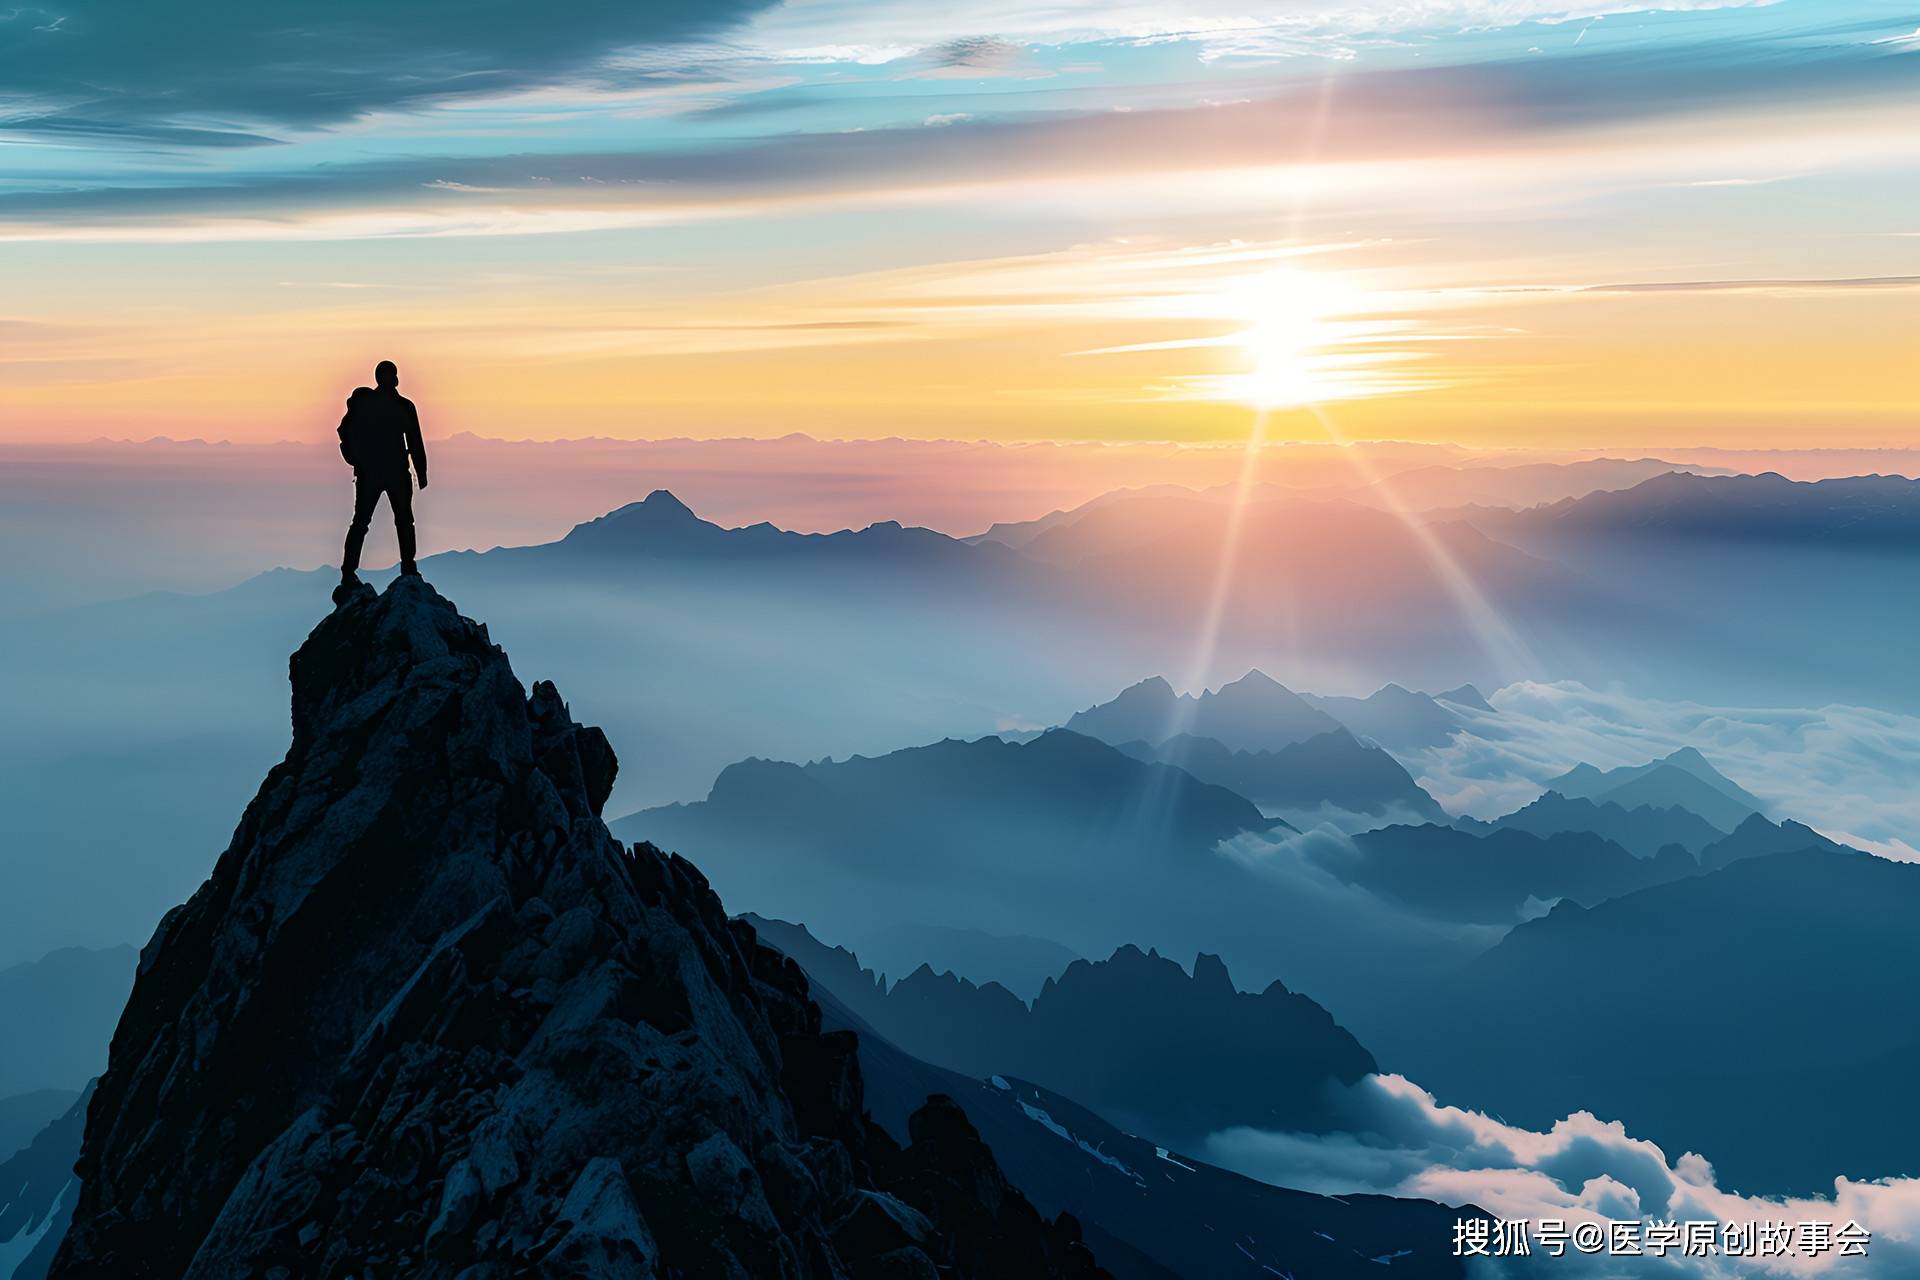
[(416, 447)]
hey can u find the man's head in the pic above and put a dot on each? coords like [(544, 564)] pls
[(386, 374)]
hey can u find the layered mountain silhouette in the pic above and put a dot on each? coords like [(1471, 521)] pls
[(1333, 769), (1684, 780), (1062, 836), (1498, 878), (704, 654), (1020, 963), (1151, 1212), (1279, 748), (1254, 713), (1401, 719), (1643, 831), (1517, 486), (1134, 1037), (56, 1015), (1417, 489), (1757, 837), (1763, 1015), (22, 1115), (427, 1018), (662, 529), (1881, 512)]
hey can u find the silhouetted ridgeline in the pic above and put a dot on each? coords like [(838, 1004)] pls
[(428, 1019), (1155, 1051)]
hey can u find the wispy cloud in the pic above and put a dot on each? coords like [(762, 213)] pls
[(1771, 286), (1219, 27)]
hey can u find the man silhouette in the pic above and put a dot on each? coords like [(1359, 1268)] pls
[(378, 434)]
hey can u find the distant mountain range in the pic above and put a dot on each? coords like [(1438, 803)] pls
[(1417, 489), (22, 1115), (1684, 780), (1498, 878), (57, 1014), (1254, 713), (1332, 769), (1517, 486), (1643, 831), (1857, 511), (1019, 962), (1766, 1015), (1400, 719), (1057, 829), (1134, 1037), (699, 646), (662, 529), (1757, 837), (1258, 713), (1279, 748)]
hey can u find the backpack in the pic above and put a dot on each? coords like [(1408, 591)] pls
[(356, 428)]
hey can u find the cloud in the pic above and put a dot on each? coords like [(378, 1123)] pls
[(183, 72), (1846, 771), (1221, 28), (231, 93), (1398, 1140), (975, 53), (1771, 286)]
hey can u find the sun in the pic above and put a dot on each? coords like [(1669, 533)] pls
[(1287, 343), (1281, 351), (1288, 339)]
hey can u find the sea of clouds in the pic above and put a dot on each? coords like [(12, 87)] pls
[(1398, 1140), (1849, 772)]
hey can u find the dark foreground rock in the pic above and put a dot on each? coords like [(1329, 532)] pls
[(428, 1019)]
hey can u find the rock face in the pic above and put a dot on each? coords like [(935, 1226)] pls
[(428, 1019)]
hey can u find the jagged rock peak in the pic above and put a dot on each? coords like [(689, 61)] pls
[(426, 1018)]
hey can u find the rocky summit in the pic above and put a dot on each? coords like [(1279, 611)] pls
[(427, 1018)]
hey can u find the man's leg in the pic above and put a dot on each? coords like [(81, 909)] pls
[(366, 495), (400, 498)]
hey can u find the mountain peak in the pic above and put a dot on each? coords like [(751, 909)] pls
[(1254, 713), (1255, 681), (660, 515), (1466, 695), (1151, 687), (658, 507), (1210, 971), (427, 1017), (664, 502)]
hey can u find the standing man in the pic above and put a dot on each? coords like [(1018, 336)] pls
[(380, 432)]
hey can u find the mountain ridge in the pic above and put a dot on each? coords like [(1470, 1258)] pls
[(426, 1017), (1172, 1055)]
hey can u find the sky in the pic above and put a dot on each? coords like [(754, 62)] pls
[(1500, 223)]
